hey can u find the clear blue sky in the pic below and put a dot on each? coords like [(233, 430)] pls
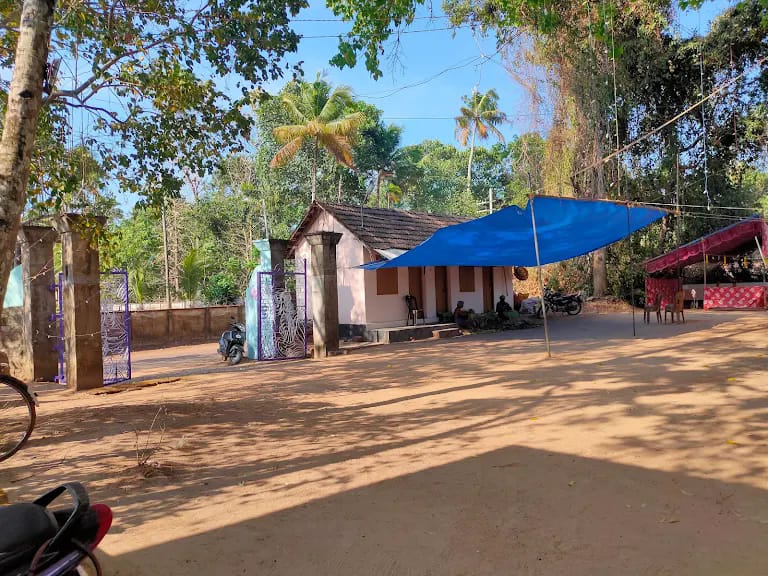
[(422, 92)]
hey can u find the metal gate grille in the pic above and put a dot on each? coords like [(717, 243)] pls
[(282, 305), (115, 327)]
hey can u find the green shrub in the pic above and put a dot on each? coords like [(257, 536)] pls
[(220, 289)]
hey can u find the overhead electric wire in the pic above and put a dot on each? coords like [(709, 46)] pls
[(696, 206), (383, 19), (473, 61), (303, 37)]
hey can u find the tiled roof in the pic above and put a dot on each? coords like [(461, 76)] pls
[(381, 228)]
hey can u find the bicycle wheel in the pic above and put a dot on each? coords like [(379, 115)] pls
[(17, 415)]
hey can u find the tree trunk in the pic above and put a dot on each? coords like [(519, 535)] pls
[(599, 269), (314, 171), (266, 222), (167, 269), (25, 98), (378, 189), (469, 163), (174, 248)]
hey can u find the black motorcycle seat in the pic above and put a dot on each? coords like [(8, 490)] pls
[(23, 529)]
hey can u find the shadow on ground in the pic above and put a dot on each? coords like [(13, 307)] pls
[(491, 514), (266, 467)]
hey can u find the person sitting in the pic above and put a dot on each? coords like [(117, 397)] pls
[(502, 307), (461, 316)]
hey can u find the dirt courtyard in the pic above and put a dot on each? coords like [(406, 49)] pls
[(477, 455)]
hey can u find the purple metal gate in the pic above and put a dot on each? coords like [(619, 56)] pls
[(58, 319), (115, 327), (282, 306)]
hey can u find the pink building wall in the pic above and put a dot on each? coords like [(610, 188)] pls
[(359, 304)]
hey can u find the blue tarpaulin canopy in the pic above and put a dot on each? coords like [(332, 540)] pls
[(565, 228)]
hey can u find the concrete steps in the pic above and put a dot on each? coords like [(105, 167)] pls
[(408, 333), (446, 333)]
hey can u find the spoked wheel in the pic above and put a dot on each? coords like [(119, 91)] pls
[(17, 415), (574, 308)]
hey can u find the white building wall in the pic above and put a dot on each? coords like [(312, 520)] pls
[(472, 300), (349, 254), (503, 283), (384, 311)]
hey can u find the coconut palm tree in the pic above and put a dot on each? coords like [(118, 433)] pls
[(320, 118), (479, 116)]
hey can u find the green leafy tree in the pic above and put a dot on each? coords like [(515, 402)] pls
[(585, 49), (137, 280), (378, 152), (158, 62), (320, 119), (438, 185), (221, 289), (479, 117)]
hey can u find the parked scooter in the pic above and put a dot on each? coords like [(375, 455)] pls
[(557, 302), (232, 343), (37, 541)]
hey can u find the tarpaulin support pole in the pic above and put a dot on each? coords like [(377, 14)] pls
[(631, 279), (704, 296), (541, 281), (762, 259)]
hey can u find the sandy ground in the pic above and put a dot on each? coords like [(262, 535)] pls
[(470, 456)]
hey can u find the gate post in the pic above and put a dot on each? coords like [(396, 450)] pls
[(325, 292), (39, 301), (82, 304)]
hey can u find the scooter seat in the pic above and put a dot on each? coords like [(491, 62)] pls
[(23, 529)]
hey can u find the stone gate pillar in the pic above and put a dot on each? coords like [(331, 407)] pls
[(39, 301), (81, 304), (277, 250), (325, 293)]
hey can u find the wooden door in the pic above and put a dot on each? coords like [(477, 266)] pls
[(415, 286), (441, 289), (487, 289)]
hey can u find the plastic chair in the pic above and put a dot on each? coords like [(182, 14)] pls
[(676, 308), (414, 311), (654, 307)]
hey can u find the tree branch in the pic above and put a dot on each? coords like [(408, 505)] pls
[(75, 93)]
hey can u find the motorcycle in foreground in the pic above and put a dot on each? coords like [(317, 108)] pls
[(557, 302), (232, 343), (36, 540)]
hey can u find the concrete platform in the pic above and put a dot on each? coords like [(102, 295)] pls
[(406, 333)]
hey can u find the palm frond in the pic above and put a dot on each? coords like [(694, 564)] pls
[(288, 132), (347, 125), (493, 115), (286, 153), (462, 135), (339, 147), (334, 106), (495, 131), (293, 105)]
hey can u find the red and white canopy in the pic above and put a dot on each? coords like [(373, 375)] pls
[(725, 241)]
